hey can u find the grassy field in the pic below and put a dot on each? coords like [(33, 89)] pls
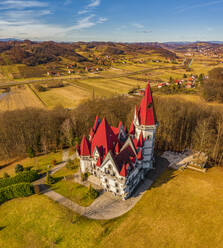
[(182, 209), (70, 189), (19, 98), (68, 96), (73, 191), (40, 162)]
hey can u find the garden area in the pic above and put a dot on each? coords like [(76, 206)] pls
[(63, 183), (39, 162)]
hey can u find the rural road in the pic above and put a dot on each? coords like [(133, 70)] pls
[(44, 80)]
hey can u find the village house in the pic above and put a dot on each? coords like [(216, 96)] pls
[(121, 159)]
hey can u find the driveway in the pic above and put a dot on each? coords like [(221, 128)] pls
[(108, 206)]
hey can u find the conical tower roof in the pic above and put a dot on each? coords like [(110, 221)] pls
[(146, 110)]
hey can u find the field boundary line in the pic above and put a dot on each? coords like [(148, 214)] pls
[(44, 104)]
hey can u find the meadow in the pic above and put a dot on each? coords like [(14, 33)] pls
[(182, 209)]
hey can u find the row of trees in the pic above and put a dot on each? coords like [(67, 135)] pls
[(182, 125), (213, 86)]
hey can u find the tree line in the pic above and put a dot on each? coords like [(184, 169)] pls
[(182, 125), (213, 86)]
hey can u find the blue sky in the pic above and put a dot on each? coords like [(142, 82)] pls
[(112, 20)]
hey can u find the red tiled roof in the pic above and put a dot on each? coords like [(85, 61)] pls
[(146, 114), (133, 159), (104, 138), (99, 162), (132, 129), (135, 141), (124, 171), (139, 155), (140, 142), (84, 147), (124, 157), (115, 130), (117, 148)]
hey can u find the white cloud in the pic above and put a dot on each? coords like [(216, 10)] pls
[(201, 5), (21, 4), (81, 12), (26, 23), (94, 3), (25, 14), (87, 22)]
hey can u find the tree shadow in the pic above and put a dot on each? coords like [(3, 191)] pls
[(2, 227), (8, 164)]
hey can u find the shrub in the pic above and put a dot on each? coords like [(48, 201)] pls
[(26, 176), (49, 179), (31, 152), (16, 190), (6, 175), (73, 164), (19, 168), (92, 193)]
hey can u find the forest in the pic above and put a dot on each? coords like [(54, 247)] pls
[(182, 125), (213, 86)]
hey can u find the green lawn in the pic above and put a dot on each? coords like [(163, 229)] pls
[(70, 189), (73, 191), (40, 163), (182, 209), (38, 222)]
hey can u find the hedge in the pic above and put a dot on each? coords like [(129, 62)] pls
[(16, 190), (22, 177)]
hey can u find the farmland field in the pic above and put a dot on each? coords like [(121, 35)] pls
[(19, 97), (119, 79), (68, 96)]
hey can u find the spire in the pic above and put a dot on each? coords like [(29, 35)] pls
[(117, 148), (91, 134), (84, 147), (146, 112), (99, 162), (119, 125), (123, 171), (104, 138), (139, 155), (132, 129), (136, 117), (140, 140), (96, 123)]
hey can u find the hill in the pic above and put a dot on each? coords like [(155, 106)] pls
[(33, 53)]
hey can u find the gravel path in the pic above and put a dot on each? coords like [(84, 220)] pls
[(108, 206)]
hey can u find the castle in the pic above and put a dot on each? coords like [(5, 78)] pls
[(120, 159)]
